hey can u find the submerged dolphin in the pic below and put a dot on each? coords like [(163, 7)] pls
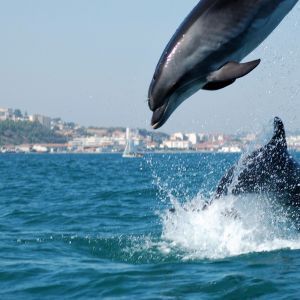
[(269, 170), (206, 50)]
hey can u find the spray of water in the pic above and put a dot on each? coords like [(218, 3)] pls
[(230, 226)]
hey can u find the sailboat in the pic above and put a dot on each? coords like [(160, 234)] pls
[(130, 151)]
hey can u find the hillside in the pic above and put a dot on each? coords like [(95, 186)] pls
[(109, 131), (25, 132)]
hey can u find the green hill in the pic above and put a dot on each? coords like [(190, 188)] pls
[(25, 132)]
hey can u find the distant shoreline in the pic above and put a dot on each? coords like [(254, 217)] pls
[(120, 153)]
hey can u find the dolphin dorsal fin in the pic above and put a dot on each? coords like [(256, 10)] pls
[(279, 134)]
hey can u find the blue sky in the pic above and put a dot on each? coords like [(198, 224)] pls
[(92, 61)]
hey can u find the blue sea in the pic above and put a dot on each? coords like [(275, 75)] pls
[(99, 227)]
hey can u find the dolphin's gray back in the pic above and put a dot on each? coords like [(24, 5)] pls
[(265, 173), (216, 31), (270, 169)]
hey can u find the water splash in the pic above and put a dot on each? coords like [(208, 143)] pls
[(230, 226)]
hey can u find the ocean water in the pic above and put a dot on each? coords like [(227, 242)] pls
[(99, 226)]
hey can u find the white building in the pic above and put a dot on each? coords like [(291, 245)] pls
[(91, 142), (40, 148), (182, 145), (230, 149), (6, 114), (192, 137), (177, 136), (45, 121), (293, 141)]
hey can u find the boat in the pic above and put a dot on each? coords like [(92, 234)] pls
[(130, 151)]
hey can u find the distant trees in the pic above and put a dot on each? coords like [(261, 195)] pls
[(25, 132), (18, 113)]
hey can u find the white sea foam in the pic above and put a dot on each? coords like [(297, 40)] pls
[(230, 226)]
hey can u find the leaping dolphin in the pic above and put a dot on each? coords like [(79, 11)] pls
[(269, 170), (206, 50)]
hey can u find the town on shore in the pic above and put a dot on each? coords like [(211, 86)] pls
[(53, 135)]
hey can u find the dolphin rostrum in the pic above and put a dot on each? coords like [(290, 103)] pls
[(269, 170), (206, 50)]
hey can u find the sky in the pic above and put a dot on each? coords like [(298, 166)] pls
[(91, 61)]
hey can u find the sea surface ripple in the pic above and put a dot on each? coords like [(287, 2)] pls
[(99, 226)]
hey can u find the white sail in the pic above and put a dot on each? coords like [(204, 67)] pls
[(130, 149)]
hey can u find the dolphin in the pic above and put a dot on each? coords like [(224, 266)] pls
[(270, 170), (206, 50)]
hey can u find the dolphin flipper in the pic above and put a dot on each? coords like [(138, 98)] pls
[(229, 73)]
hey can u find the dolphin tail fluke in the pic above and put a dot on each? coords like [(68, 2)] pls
[(229, 73)]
